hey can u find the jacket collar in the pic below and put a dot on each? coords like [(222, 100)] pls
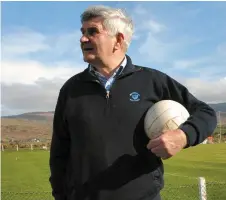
[(86, 75)]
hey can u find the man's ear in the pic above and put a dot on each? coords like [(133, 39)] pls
[(119, 41)]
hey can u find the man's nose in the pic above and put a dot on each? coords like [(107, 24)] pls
[(84, 38)]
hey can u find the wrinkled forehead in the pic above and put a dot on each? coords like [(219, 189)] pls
[(93, 22)]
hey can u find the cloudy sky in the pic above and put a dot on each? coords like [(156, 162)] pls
[(40, 48)]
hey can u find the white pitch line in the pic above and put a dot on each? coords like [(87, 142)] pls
[(192, 177), (189, 177)]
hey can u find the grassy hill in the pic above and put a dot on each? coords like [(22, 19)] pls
[(32, 125), (37, 116), (22, 129)]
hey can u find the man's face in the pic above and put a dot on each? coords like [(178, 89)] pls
[(96, 44)]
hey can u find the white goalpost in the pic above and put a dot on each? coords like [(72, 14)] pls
[(221, 120), (202, 189)]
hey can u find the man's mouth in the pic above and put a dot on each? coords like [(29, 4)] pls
[(87, 49)]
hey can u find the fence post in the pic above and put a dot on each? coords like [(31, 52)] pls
[(17, 147), (202, 189), (31, 147), (219, 126), (2, 147)]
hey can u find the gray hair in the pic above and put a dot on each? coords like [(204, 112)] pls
[(115, 21)]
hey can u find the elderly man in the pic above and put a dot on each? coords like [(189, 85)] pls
[(99, 149)]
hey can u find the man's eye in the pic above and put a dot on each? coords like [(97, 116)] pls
[(92, 31)]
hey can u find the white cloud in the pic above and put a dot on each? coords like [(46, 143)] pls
[(140, 10), (67, 43), (185, 64), (28, 55), (221, 49), (192, 13), (23, 42), (161, 46), (19, 98), (34, 67), (209, 67), (32, 86), (28, 71), (155, 26), (158, 45), (152, 45), (208, 91), (155, 50), (144, 22)]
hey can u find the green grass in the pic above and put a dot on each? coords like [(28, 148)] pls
[(29, 171), (207, 161), (25, 171)]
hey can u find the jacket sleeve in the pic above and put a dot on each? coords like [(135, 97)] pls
[(59, 151), (202, 121)]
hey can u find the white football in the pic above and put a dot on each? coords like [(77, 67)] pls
[(163, 116)]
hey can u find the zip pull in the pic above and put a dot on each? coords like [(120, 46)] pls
[(108, 94)]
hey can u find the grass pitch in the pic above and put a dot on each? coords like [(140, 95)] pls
[(183, 170), (28, 171)]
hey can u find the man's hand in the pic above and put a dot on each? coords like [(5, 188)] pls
[(168, 144)]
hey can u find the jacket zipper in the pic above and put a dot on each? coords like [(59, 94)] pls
[(108, 91), (107, 96)]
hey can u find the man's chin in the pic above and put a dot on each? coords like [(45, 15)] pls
[(89, 58)]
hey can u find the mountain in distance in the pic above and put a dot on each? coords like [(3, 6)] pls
[(219, 107), (48, 116), (37, 116), (28, 126)]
